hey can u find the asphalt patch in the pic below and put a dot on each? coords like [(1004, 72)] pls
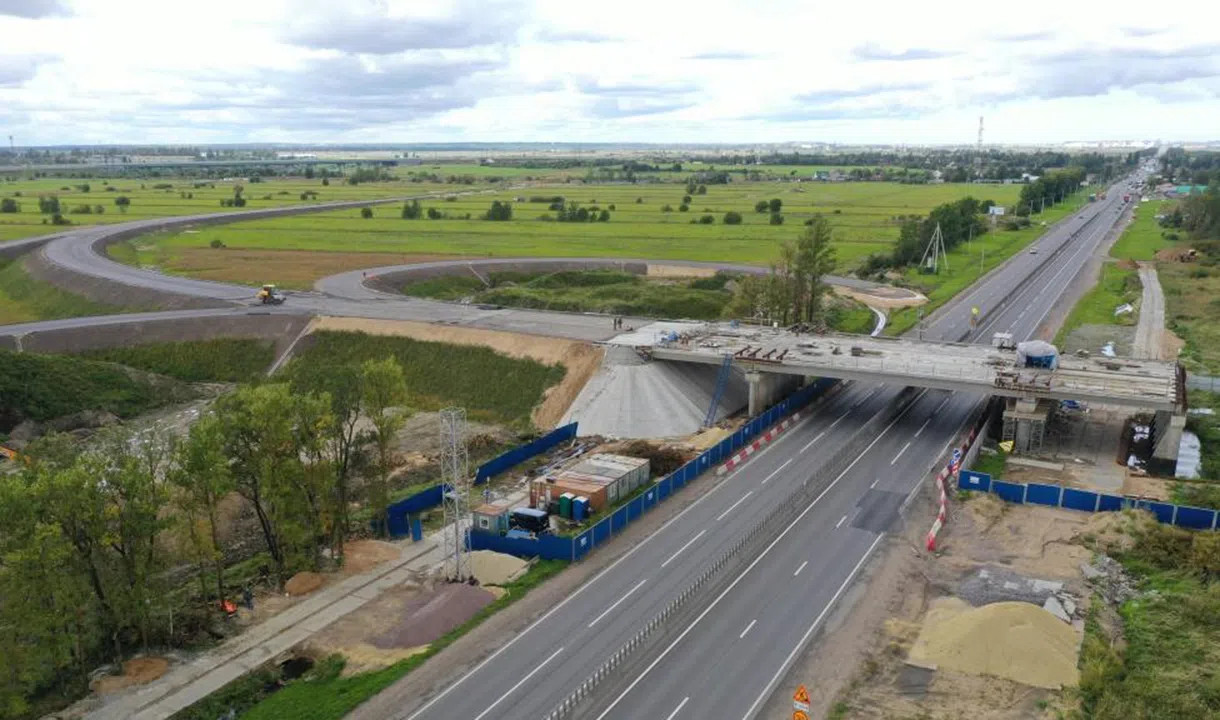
[(878, 510)]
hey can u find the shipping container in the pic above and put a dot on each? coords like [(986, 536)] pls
[(491, 517), (530, 519)]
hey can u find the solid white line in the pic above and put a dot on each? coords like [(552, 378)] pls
[(900, 452), (688, 544), (921, 427), (841, 521), (520, 682), (799, 569), (743, 632), (759, 558), (733, 506), (781, 467), (811, 442), (805, 638), (873, 484), (678, 709), (618, 602)]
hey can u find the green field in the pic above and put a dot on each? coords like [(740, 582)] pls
[(865, 217), (1143, 237), (150, 201), (24, 299), (1117, 285), (217, 360)]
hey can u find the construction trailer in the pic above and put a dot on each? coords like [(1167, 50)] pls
[(603, 479)]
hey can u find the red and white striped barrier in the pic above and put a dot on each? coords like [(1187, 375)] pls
[(758, 444), (942, 479)]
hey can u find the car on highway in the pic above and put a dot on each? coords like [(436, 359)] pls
[(1033, 250)]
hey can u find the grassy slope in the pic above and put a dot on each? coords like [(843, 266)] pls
[(492, 387), (863, 215), (1192, 303), (1116, 286), (968, 264), (1143, 237), (24, 299), (219, 360)]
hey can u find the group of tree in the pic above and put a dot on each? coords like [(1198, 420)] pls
[(1199, 214), (499, 211), (574, 212), (773, 205), (96, 538), (794, 290), (236, 201), (9, 205), (1049, 189), (959, 221)]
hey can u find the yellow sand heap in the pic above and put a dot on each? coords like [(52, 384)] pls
[(1013, 640), (493, 568)]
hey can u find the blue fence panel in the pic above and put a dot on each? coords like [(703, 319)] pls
[(521, 547), (1193, 517), (1079, 499), (1110, 503), (396, 514), (664, 488), (635, 508), (553, 547), (582, 544), (524, 452), (971, 480), (649, 498), (1163, 511), (618, 521), (601, 531), (1040, 494), (1010, 492)]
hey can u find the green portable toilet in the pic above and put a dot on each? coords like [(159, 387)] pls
[(565, 505)]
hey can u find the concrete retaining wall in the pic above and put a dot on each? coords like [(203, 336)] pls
[(17, 248), (283, 329), (111, 292)]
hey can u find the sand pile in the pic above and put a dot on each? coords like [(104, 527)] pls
[(303, 583), (493, 568), (1012, 640), (362, 555)]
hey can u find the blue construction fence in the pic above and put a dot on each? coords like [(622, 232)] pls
[(521, 453), (1088, 501), (551, 547)]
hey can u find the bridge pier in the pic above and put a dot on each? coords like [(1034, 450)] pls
[(1025, 421), (766, 389), (1167, 434)]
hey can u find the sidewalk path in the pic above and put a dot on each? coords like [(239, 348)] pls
[(185, 684), (1151, 327)]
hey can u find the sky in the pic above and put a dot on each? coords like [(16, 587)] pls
[(663, 71)]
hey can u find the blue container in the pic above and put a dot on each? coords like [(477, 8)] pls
[(580, 508)]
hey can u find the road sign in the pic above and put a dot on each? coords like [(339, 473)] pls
[(800, 702), (957, 455), (974, 480)]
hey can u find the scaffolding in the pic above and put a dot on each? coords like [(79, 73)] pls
[(455, 481)]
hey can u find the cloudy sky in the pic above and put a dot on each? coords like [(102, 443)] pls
[(196, 71)]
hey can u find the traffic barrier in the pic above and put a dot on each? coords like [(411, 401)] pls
[(758, 444)]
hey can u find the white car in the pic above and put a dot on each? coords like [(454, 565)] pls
[(1033, 251)]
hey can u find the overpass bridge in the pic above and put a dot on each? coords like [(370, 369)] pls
[(767, 355)]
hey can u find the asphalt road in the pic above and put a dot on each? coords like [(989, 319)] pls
[(729, 659)]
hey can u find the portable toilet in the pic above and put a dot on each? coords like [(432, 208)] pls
[(580, 508), (565, 505)]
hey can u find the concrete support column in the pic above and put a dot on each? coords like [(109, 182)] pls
[(1167, 434), (766, 389)]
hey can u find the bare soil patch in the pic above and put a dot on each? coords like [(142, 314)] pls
[(679, 271), (304, 583), (580, 359), (297, 269), (136, 671), (429, 615), (885, 297), (363, 555)]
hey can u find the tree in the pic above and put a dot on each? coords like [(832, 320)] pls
[(686, 199), (9, 205), (412, 210), (732, 218), (776, 219), (122, 202), (366, 212), (667, 208), (775, 205), (701, 190), (201, 475), (815, 260), (499, 211), (707, 220), (48, 204), (434, 214), (603, 216), (761, 206), (383, 390), (683, 207)]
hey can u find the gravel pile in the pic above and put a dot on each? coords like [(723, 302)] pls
[(996, 584), (1111, 581)]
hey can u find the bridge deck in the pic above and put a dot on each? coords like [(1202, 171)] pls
[(951, 366)]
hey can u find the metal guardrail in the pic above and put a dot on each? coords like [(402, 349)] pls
[(760, 534)]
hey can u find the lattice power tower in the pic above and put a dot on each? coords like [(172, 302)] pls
[(455, 479)]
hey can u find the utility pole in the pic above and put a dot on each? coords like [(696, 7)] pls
[(455, 489)]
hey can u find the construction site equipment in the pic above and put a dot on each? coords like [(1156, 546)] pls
[(1003, 341), (270, 295), (722, 379), (6, 454)]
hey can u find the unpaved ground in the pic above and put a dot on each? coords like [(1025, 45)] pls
[(856, 666), (885, 298), (294, 269), (580, 359), (1093, 337), (136, 671)]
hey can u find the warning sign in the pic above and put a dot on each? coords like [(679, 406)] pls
[(800, 702)]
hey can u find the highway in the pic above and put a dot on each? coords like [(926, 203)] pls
[(757, 626)]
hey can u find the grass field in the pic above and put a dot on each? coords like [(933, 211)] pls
[(149, 200), (1143, 237), (968, 262), (492, 387), (1116, 286), (864, 217), (219, 360), (24, 299)]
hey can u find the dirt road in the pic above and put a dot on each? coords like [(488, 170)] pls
[(1151, 328)]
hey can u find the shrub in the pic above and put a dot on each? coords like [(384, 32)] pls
[(434, 214), (761, 206), (58, 219), (216, 244), (707, 220), (777, 219), (499, 211), (732, 218), (603, 216), (9, 205), (667, 208), (412, 210), (775, 205), (366, 212), (683, 207), (48, 205)]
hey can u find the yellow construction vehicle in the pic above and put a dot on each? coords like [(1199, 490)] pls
[(270, 295)]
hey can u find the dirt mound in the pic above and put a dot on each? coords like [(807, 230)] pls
[(136, 671), (1012, 640), (986, 510), (362, 555), (493, 568), (1112, 531), (303, 583), (1127, 264), (428, 616)]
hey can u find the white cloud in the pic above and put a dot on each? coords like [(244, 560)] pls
[(637, 70)]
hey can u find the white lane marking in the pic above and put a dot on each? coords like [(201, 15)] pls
[(773, 474), (841, 521), (799, 569), (873, 484), (811, 442), (618, 602), (942, 403), (669, 648), (683, 548), (743, 632), (900, 452), (805, 638), (733, 506), (921, 427), (520, 682), (678, 709)]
